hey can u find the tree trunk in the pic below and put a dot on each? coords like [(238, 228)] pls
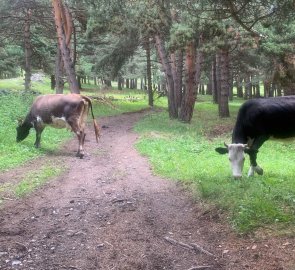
[(248, 88), (120, 82), (215, 90), (149, 73), (172, 107), (189, 97), (52, 82), (28, 50), (59, 82), (127, 83), (62, 27), (231, 88), (257, 90), (177, 67), (222, 64), (239, 83), (266, 84), (79, 81)]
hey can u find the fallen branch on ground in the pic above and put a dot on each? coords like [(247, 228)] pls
[(199, 248), (192, 246), (201, 267)]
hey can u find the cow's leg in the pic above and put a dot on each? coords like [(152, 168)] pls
[(81, 139), (39, 131), (254, 167), (253, 164), (75, 128)]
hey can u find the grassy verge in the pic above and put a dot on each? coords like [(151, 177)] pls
[(33, 180), (184, 152), (30, 181)]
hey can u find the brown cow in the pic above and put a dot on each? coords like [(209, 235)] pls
[(59, 111)]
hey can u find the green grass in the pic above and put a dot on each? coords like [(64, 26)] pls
[(35, 179), (184, 152), (30, 182), (15, 105)]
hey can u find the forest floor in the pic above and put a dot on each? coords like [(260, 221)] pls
[(109, 211)]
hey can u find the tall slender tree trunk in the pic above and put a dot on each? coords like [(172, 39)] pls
[(189, 97), (52, 82), (248, 87), (59, 85), (149, 73), (28, 49), (172, 107), (239, 84), (214, 82), (62, 23), (223, 74), (177, 67), (120, 82)]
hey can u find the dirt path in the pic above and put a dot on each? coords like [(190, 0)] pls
[(110, 212)]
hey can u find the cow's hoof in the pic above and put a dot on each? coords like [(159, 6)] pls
[(259, 170), (80, 155), (251, 172)]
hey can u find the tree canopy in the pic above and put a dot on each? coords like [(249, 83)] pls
[(222, 43)]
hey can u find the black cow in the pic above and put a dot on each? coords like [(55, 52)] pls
[(259, 120), (59, 111)]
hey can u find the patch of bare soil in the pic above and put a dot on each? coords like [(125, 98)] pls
[(219, 130), (109, 211)]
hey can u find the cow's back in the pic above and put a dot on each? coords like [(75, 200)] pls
[(55, 105), (268, 116)]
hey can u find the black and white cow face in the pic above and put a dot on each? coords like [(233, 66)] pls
[(22, 131), (236, 157)]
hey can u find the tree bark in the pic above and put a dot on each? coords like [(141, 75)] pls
[(189, 97), (149, 73), (222, 64), (248, 87), (63, 28), (59, 85), (28, 49), (172, 107), (239, 84), (215, 90), (177, 67)]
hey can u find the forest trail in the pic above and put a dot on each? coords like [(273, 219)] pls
[(109, 211)]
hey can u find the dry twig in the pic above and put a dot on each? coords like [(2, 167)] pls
[(201, 267), (191, 246)]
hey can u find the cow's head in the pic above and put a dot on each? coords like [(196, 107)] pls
[(22, 131), (236, 156)]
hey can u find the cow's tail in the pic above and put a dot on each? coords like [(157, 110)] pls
[(96, 127)]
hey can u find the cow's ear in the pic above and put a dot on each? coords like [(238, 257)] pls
[(221, 150)]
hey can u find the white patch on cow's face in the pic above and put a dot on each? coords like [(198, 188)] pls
[(59, 122), (236, 158)]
